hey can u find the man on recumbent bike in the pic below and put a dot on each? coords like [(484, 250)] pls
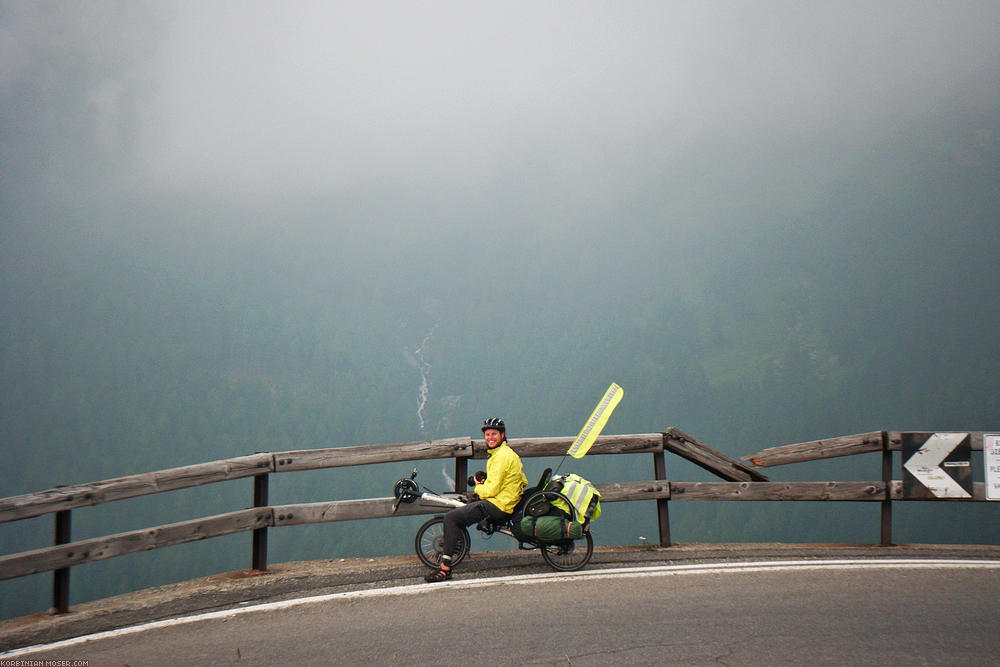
[(497, 494)]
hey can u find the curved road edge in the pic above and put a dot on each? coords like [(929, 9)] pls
[(295, 583)]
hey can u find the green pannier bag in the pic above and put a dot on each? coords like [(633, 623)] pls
[(551, 528)]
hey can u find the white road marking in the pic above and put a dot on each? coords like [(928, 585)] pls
[(544, 577)]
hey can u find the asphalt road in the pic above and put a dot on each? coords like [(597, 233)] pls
[(779, 613)]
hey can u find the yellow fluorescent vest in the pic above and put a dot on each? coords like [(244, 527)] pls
[(580, 492), (505, 478)]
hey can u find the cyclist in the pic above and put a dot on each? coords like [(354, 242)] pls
[(497, 494)]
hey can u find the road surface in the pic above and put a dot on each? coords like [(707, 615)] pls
[(821, 612)]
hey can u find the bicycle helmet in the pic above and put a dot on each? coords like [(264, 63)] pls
[(494, 422)]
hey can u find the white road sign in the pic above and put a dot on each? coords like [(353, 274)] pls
[(991, 462)]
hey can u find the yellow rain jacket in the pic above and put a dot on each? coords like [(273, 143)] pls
[(505, 478)]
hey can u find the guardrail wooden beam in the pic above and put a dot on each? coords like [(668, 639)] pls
[(381, 508), (712, 460), (848, 445), (626, 491), (637, 443), (347, 510), (817, 449), (336, 457), (861, 491), (101, 548), (95, 493)]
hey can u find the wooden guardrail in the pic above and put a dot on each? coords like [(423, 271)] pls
[(62, 500), (95, 493), (844, 446), (743, 482)]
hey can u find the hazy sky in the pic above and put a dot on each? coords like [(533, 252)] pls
[(577, 144), (557, 105)]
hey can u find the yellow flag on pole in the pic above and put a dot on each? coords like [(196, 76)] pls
[(594, 426)]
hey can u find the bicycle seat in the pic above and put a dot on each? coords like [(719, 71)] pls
[(527, 493)]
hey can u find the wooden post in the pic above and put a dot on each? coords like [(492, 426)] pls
[(662, 510), (887, 481), (60, 577), (259, 558), (461, 474)]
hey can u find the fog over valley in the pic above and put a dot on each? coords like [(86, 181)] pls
[(232, 227)]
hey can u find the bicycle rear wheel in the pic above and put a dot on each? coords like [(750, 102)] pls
[(569, 555), (430, 543)]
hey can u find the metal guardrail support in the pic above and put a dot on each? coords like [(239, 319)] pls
[(259, 560), (461, 474), (60, 577), (886, 540), (662, 508)]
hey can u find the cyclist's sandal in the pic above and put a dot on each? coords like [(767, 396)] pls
[(439, 574)]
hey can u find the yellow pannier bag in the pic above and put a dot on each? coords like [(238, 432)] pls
[(585, 498)]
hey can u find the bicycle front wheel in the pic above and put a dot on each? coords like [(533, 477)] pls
[(430, 543)]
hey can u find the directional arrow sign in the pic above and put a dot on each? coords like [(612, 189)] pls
[(941, 463)]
